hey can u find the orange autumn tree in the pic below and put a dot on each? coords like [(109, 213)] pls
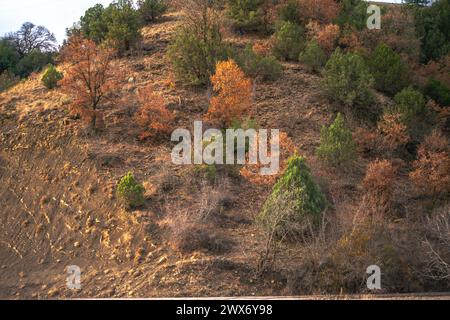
[(153, 115), (91, 77), (233, 97)]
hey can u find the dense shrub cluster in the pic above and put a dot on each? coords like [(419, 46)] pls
[(438, 70), (367, 141), (33, 62), (289, 41), (370, 240), (326, 36), (438, 91), (194, 56), (24, 52), (118, 24), (432, 25), (398, 31), (410, 104), (389, 139), (263, 48), (290, 11), (9, 56), (353, 13), (323, 11), (412, 111), (304, 11), (348, 80), (247, 15), (379, 177), (150, 10), (388, 69), (254, 65), (7, 80), (313, 56)]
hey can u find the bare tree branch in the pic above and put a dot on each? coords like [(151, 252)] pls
[(31, 37)]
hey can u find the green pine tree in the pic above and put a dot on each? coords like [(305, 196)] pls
[(336, 143), (295, 200)]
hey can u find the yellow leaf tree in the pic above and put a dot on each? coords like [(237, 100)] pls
[(233, 97)]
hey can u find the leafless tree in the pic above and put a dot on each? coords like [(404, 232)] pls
[(275, 231), (31, 37), (437, 244), (200, 15)]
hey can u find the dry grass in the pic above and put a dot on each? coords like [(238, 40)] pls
[(31, 95)]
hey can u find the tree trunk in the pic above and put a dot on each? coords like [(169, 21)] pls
[(93, 124)]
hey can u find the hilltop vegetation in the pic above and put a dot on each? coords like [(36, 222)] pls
[(364, 135)]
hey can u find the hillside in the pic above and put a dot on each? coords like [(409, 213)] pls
[(59, 189), (59, 206)]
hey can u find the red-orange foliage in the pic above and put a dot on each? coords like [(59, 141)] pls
[(233, 97), (366, 140), (400, 33), (91, 76), (350, 40), (324, 11), (431, 173), (252, 172), (379, 176), (153, 115), (442, 114), (438, 70), (313, 28), (390, 135), (379, 186), (394, 133), (263, 47), (326, 36)]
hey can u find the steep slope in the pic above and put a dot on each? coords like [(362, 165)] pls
[(57, 190)]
